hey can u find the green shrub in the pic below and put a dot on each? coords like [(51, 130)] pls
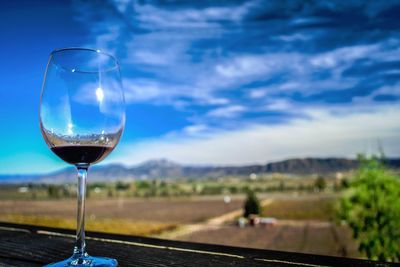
[(371, 207)]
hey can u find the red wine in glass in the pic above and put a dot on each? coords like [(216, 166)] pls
[(82, 154)]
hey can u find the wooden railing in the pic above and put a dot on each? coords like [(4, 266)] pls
[(26, 245)]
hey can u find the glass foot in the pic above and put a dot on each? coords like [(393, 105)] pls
[(86, 261)]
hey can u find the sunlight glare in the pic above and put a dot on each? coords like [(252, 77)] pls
[(70, 126), (99, 94)]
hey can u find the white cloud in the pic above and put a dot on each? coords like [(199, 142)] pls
[(300, 69), (150, 57), (152, 16), (159, 48), (279, 105), (390, 90), (242, 67), (257, 93), (344, 55), (246, 66), (106, 39), (143, 90), (227, 112), (217, 101), (154, 92), (122, 5), (195, 129), (323, 135), (294, 37)]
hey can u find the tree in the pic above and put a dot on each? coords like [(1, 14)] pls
[(121, 186), (371, 207), (320, 184), (110, 193), (53, 191), (252, 205), (344, 183), (281, 186)]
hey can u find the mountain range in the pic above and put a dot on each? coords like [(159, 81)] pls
[(162, 168)]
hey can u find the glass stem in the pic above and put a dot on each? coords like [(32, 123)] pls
[(80, 245)]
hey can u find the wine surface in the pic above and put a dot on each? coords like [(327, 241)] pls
[(81, 153)]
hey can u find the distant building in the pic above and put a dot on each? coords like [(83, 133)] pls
[(255, 220)]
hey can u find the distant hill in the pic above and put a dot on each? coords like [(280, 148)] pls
[(163, 168)]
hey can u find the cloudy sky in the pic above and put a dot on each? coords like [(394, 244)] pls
[(215, 82)]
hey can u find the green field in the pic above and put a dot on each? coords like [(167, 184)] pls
[(312, 207)]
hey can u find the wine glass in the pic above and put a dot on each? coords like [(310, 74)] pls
[(82, 117)]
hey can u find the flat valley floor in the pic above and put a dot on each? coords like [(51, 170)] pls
[(303, 221)]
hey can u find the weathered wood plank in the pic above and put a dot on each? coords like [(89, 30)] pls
[(24, 245)]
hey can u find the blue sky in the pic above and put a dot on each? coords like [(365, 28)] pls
[(215, 82)]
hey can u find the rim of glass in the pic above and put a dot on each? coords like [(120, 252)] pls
[(98, 51)]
